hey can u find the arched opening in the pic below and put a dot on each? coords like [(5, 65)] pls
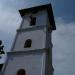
[(33, 21), (21, 72), (28, 43)]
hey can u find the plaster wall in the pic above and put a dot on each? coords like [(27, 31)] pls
[(32, 63), (38, 38)]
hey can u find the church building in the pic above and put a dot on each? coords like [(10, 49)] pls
[(31, 52)]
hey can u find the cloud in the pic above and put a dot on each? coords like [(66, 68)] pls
[(64, 48), (17, 4), (9, 22)]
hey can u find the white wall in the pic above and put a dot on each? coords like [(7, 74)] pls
[(33, 64), (38, 38)]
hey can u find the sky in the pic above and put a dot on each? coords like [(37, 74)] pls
[(63, 38)]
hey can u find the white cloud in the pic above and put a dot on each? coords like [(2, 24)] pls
[(64, 48), (9, 22)]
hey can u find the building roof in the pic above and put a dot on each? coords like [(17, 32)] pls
[(35, 9)]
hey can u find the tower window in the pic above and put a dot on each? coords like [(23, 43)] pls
[(28, 43), (21, 72), (33, 21)]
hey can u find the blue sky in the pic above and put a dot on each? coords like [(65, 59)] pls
[(63, 38), (65, 9)]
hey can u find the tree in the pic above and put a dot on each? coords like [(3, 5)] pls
[(1, 48)]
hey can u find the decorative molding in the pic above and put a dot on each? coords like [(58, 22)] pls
[(35, 51)]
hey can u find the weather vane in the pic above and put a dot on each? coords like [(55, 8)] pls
[(1, 48)]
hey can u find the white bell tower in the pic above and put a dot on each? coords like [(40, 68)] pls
[(31, 52)]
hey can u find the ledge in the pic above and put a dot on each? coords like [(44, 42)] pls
[(36, 51)]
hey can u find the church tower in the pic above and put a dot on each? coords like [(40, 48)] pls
[(31, 52)]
